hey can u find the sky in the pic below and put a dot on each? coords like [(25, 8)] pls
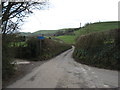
[(70, 13)]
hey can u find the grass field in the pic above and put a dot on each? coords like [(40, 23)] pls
[(95, 27), (70, 39)]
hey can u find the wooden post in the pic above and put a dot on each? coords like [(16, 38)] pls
[(40, 47)]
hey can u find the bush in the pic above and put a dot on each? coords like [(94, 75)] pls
[(40, 50), (7, 57), (99, 49), (52, 48), (30, 51)]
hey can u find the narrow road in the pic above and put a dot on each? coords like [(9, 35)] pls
[(63, 72)]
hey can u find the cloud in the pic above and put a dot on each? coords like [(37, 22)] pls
[(69, 13)]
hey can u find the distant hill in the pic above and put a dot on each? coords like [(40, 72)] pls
[(44, 32), (89, 28), (38, 32), (25, 33)]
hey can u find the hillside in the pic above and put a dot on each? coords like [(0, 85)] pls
[(97, 27), (89, 28), (45, 32), (70, 39), (38, 32), (25, 33)]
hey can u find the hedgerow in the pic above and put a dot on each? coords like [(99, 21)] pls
[(99, 49)]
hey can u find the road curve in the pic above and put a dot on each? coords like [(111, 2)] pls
[(63, 72)]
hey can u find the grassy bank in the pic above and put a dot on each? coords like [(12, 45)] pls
[(89, 28), (99, 49)]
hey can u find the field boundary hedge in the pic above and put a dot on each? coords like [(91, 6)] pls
[(99, 49)]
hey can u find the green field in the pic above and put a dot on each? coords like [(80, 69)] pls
[(95, 27), (70, 39)]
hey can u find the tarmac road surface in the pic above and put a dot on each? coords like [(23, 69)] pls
[(63, 72)]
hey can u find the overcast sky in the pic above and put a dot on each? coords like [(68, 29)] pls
[(70, 13)]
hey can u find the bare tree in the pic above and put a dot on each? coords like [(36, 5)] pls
[(14, 12)]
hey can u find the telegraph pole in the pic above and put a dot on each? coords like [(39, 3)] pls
[(80, 25)]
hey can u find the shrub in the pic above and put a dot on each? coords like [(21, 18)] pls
[(99, 49), (7, 57), (40, 50)]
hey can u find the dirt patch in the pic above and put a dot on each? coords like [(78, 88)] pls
[(22, 70)]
